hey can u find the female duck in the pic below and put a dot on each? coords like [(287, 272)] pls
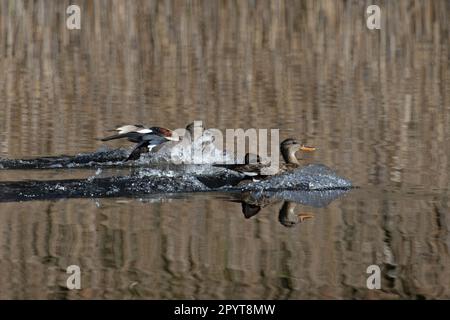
[(253, 165)]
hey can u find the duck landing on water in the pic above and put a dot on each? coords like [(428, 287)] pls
[(146, 138)]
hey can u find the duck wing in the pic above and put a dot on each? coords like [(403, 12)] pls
[(131, 136), (141, 147)]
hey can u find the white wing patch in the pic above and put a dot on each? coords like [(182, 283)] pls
[(144, 131), (127, 128)]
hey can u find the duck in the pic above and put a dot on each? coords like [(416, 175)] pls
[(194, 129), (253, 164), (199, 137), (146, 138)]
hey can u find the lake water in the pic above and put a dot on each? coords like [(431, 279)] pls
[(375, 103)]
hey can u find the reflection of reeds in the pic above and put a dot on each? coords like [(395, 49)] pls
[(206, 249), (375, 103)]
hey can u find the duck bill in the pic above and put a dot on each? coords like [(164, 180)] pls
[(307, 148), (173, 137), (305, 216)]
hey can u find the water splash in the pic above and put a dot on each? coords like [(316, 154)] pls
[(311, 177), (202, 150)]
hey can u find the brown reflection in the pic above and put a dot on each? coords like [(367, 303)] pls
[(289, 213), (290, 217), (287, 216), (204, 248), (374, 102)]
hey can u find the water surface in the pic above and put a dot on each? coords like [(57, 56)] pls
[(374, 103)]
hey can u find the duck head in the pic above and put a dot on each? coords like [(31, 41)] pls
[(164, 133), (195, 127), (288, 216), (289, 147)]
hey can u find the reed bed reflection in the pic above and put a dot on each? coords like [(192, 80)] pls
[(374, 103), (206, 249)]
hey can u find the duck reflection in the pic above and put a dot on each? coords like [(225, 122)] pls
[(289, 217), (290, 212)]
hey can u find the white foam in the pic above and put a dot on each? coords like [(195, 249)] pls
[(201, 151)]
